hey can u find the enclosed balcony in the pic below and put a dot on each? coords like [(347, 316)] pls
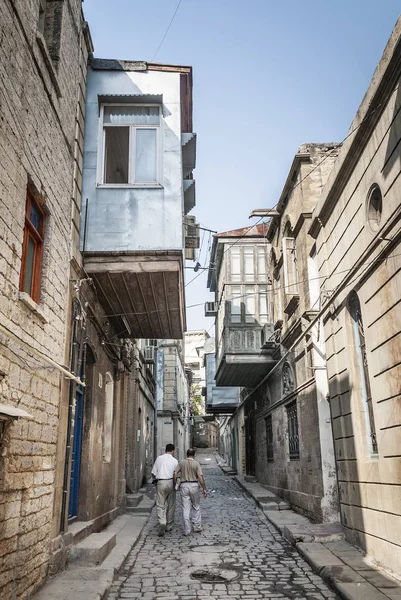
[(246, 346), (219, 400), (241, 360)]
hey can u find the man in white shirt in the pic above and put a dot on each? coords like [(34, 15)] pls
[(163, 471)]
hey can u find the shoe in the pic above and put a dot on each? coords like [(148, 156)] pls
[(197, 529), (168, 529), (186, 533), (162, 529)]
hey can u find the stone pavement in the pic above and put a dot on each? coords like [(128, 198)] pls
[(239, 554), (344, 567)]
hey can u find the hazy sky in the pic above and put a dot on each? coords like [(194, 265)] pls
[(268, 76)]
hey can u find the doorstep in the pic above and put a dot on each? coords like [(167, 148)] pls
[(91, 582)]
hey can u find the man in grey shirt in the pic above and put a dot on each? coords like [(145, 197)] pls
[(191, 476)]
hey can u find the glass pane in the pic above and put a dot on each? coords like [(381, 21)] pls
[(116, 155), (235, 264), (261, 261), (146, 155), (263, 314), (30, 258), (248, 259), (131, 115), (249, 304), (236, 304), (35, 216)]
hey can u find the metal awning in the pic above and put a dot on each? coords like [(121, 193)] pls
[(11, 412), (188, 143), (130, 99), (189, 195)]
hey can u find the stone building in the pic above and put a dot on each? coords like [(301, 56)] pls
[(289, 412), (194, 342), (204, 433), (173, 419), (43, 59), (356, 225)]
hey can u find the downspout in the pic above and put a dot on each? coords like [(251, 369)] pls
[(76, 359)]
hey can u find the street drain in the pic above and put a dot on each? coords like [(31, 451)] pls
[(215, 575)]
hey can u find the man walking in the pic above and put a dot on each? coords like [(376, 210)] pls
[(191, 476), (163, 471)]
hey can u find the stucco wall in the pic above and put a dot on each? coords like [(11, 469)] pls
[(135, 218)]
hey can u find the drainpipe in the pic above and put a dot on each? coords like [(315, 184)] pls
[(75, 365)]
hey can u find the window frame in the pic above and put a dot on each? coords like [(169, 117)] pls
[(269, 438), (131, 148), (244, 318), (37, 235)]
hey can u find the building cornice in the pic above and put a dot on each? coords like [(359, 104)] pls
[(370, 111)]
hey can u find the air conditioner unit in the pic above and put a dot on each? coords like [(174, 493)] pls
[(191, 231), (150, 354), (211, 309), (268, 337)]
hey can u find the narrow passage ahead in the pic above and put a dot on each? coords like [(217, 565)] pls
[(239, 554)]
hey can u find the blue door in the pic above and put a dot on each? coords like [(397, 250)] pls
[(76, 455)]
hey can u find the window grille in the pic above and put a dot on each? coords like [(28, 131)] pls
[(269, 439), (293, 436)]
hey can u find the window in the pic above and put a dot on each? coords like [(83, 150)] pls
[(293, 437), (374, 207), (50, 25), (249, 304), (247, 263), (269, 439), (290, 266), (32, 249), (131, 145), (362, 359)]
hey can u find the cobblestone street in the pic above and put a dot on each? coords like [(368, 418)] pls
[(243, 554)]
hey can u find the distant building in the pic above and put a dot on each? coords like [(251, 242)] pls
[(194, 343)]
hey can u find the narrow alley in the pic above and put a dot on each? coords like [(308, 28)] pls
[(239, 554)]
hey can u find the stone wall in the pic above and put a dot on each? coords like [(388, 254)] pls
[(40, 89), (306, 480), (358, 245)]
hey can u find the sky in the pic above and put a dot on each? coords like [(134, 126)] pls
[(268, 77)]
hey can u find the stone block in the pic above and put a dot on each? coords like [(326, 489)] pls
[(94, 549)]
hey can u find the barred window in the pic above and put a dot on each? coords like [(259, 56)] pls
[(293, 436), (269, 438)]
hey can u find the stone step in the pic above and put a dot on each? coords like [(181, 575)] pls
[(273, 505), (94, 549), (80, 530), (144, 507), (134, 499)]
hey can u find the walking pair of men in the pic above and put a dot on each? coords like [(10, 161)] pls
[(188, 472)]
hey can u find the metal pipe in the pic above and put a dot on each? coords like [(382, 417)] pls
[(40, 354)]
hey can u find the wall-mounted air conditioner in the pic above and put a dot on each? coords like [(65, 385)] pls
[(211, 309)]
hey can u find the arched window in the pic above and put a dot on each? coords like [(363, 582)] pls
[(361, 355), (108, 419)]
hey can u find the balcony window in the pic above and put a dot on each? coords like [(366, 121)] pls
[(249, 304), (247, 264), (131, 145)]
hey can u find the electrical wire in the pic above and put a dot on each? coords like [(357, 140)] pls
[(167, 30)]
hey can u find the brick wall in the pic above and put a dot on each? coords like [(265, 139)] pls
[(38, 100)]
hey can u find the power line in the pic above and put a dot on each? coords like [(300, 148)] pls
[(167, 30)]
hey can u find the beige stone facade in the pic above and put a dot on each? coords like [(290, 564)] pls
[(357, 229), (293, 445), (41, 80)]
